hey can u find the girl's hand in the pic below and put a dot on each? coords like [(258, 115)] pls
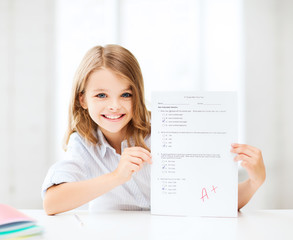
[(132, 160), (252, 161)]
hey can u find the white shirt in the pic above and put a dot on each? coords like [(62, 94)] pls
[(84, 161)]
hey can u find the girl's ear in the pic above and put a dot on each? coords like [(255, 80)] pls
[(82, 100)]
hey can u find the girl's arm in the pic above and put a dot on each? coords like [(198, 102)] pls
[(252, 161), (67, 196)]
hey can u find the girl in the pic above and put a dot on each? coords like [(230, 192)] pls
[(107, 159)]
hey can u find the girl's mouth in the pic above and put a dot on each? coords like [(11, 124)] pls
[(113, 117)]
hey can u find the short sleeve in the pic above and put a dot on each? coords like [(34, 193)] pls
[(71, 168)]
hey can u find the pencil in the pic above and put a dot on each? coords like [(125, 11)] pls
[(78, 219)]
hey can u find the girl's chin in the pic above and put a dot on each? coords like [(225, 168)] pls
[(112, 130)]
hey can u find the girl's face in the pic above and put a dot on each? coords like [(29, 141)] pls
[(108, 99)]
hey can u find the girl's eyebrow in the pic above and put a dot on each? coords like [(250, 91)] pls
[(126, 89), (100, 90), (106, 90)]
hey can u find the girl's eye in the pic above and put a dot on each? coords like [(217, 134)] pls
[(126, 95), (101, 95)]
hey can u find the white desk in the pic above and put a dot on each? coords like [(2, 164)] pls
[(265, 224)]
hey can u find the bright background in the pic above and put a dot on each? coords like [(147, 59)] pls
[(227, 45)]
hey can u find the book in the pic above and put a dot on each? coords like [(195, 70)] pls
[(15, 224)]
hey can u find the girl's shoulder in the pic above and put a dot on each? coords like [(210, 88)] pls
[(76, 141), (147, 140), (75, 138)]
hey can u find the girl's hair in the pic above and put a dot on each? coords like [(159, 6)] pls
[(121, 62)]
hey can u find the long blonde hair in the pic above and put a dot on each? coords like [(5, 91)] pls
[(122, 62)]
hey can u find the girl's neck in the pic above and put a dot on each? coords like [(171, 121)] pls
[(115, 139)]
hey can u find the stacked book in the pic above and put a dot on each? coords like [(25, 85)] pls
[(16, 225)]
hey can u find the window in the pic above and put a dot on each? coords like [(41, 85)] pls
[(180, 44)]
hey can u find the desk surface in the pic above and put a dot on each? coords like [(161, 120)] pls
[(264, 224)]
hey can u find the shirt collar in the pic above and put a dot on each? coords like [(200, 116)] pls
[(104, 145)]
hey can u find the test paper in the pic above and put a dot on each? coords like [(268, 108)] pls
[(193, 172)]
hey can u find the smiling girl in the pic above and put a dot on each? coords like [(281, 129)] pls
[(107, 159)]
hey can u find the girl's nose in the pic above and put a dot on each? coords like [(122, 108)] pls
[(114, 105)]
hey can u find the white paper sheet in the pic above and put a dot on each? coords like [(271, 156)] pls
[(193, 172)]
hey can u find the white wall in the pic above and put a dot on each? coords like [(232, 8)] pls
[(285, 80), (268, 83), (4, 113), (27, 95)]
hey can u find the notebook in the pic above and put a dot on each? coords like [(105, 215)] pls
[(14, 224)]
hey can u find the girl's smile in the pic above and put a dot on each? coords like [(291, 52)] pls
[(114, 118), (108, 98)]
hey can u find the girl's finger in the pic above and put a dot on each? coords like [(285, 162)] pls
[(241, 150), (244, 164), (242, 157), (135, 160), (140, 149), (247, 165), (246, 149), (134, 168), (140, 154)]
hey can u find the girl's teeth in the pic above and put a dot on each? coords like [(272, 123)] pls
[(113, 117)]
